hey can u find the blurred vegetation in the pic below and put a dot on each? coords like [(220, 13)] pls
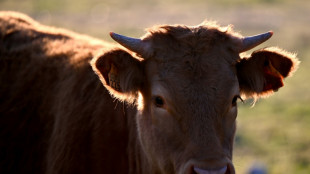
[(276, 131)]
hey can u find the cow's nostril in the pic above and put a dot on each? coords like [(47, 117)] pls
[(222, 170)]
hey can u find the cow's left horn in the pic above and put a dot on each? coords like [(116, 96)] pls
[(252, 41), (133, 44)]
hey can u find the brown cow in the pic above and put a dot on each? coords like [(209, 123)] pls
[(173, 108)]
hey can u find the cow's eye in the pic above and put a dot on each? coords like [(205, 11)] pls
[(158, 101), (234, 101)]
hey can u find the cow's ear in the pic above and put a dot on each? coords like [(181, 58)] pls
[(120, 73), (263, 72)]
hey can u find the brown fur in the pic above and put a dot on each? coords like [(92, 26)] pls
[(253, 77), (56, 117), (54, 113)]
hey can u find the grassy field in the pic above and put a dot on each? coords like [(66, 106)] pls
[(276, 131)]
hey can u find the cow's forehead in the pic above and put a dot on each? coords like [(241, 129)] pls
[(180, 43), (191, 80), (191, 63), (191, 68)]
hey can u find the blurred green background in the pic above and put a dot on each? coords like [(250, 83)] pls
[(275, 132)]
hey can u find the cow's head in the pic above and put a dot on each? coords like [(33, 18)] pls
[(186, 82)]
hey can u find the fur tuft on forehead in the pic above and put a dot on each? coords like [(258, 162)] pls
[(175, 38), (210, 28)]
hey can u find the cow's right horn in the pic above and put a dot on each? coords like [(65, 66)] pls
[(252, 41), (133, 44)]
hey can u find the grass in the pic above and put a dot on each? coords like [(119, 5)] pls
[(275, 132)]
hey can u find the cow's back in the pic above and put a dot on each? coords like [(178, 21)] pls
[(51, 104)]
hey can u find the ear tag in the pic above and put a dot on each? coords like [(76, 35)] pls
[(114, 80), (274, 79)]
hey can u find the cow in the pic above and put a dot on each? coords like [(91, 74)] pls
[(163, 103)]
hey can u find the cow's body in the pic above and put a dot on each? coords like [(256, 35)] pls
[(57, 117), (47, 95)]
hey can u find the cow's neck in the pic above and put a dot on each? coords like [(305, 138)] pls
[(138, 163)]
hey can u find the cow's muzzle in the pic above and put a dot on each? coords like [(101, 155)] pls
[(223, 170), (205, 168)]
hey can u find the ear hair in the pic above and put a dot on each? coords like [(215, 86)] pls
[(120, 73), (263, 72)]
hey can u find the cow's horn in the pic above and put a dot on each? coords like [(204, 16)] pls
[(133, 44), (252, 41)]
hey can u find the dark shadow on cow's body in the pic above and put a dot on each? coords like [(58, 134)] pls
[(46, 80)]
